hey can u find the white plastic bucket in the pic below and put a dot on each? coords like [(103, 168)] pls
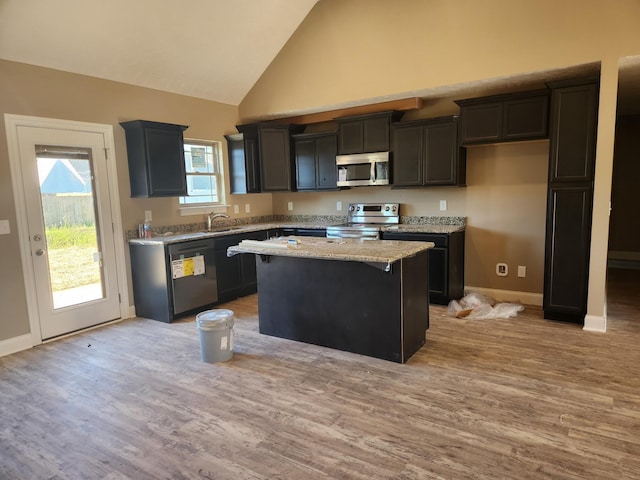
[(216, 335)]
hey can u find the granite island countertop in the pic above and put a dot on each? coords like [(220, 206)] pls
[(344, 249)]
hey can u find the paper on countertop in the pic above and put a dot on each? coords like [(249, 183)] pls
[(264, 243)]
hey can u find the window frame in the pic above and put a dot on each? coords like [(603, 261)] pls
[(218, 174)]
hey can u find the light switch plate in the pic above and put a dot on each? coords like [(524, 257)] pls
[(147, 216), (289, 206), (247, 207), (443, 205), (4, 227), (339, 206), (236, 209)]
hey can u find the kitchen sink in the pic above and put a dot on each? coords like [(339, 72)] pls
[(222, 229)]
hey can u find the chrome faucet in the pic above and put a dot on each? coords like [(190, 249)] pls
[(212, 216)]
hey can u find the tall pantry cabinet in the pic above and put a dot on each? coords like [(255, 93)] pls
[(574, 109)]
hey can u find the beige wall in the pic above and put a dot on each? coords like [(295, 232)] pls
[(504, 202), (41, 92), (355, 50), (360, 51)]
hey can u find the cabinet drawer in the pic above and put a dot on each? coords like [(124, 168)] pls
[(439, 239), (182, 248)]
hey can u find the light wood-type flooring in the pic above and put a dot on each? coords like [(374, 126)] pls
[(524, 398)]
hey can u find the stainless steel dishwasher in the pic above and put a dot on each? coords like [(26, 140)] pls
[(193, 274)]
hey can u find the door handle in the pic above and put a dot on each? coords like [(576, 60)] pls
[(37, 237), (40, 252)]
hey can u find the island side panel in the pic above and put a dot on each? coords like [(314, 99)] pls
[(349, 306), (415, 301)]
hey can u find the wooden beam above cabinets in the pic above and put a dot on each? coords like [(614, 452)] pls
[(413, 103)]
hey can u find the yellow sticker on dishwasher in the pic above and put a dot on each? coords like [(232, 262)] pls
[(187, 267)]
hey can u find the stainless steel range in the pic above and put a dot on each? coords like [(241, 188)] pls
[(365, 219)]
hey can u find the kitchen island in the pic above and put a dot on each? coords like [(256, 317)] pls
[(365, 297)]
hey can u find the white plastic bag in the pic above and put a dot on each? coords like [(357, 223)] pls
[(478, 306)]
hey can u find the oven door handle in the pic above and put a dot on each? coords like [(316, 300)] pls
[(373, 172), (357, 235)]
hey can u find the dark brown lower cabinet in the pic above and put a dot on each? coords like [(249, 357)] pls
[(352, 306), (446, 263), (567, 266), (236, 274)]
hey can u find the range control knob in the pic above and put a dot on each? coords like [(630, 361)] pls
[(386, 209), (394, 208), (351, 208)]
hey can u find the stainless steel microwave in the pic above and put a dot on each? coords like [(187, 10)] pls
[(363, 169)]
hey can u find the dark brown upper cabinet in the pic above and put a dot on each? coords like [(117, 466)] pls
[(155, 153), (268, 164), (573, 132), (315, 156), (244, 171), (365, 133), (504, 118), (427, 153)]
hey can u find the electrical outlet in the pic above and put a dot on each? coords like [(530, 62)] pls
[(289, 206), (147, 216), (502, 269), (236, 209), (522, 271), (247, 208), (339, 206), (443, 205)]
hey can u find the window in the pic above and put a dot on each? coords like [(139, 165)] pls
[(204, 175)]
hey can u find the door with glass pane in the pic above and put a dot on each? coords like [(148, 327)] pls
[(71, 238)]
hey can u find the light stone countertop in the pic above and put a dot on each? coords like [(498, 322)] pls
[(345, 249), (169, 238)]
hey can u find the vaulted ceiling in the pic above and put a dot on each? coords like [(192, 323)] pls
[(211, 49)]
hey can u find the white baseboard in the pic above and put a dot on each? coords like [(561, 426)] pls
[(526, 298), (23, 342), (595, 323), (15, 344)]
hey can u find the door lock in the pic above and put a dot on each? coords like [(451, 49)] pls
[(37, 237), (40, 252)]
